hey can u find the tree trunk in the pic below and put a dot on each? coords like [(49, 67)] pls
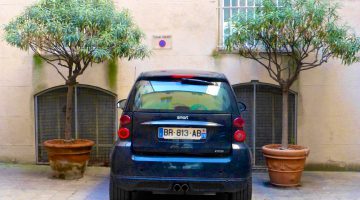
[(285, 119), (69, 108)]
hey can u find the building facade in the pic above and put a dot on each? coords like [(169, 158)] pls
[(184, 34)]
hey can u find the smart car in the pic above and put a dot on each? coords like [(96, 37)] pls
[(181, 132)]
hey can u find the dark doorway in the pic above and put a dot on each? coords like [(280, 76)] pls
[(263, 116), (94, 118)]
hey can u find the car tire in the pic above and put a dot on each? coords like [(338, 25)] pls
[(116, 193), (244, 194)]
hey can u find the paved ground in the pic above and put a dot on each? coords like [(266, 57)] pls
[(29, 182)]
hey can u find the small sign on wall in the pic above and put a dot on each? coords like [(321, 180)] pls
[(162, 42)]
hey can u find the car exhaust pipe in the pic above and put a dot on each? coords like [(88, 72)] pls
[(185, 187), (177, 188)]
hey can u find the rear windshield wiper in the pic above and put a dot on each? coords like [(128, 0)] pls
[(196, 81)]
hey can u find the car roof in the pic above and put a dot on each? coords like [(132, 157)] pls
[(179, 73)]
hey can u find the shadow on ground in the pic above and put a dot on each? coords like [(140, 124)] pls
[(146, 196), (33, 182)]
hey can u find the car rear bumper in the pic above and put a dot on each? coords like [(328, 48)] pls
[(160, 174), (166, 185)]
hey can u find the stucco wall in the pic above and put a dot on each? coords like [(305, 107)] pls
[(19, 82), (16, 109), (329, 108), (328, 96)]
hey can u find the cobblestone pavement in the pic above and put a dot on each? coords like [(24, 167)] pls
[(29, 182)]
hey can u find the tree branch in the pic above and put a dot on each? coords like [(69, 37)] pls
[(250, 52), (48, 61)]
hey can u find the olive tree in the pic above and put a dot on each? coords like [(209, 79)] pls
[(292, 37), (71, 35)]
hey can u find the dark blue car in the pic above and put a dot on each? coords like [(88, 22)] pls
[(181, 133)]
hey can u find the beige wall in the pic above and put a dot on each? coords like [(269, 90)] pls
[(329, 107), (16, 109), (328, 96), (19, 82)]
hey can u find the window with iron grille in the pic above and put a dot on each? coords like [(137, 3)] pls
[(94, 118), (232, 8), (263, 116)]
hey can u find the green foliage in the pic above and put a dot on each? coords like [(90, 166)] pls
[(73, 34), (77, 32), (307, 32), (38, 73), (295, 36), (38, 62), (112, 68), (215, 54)]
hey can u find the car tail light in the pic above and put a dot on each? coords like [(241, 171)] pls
[(182, 76), (125, 120), (239, 122), (240, 136), (123, 133)]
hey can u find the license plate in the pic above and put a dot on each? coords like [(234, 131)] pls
[(172, 133)]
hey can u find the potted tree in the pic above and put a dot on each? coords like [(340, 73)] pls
[(287, 39), (71, 35)]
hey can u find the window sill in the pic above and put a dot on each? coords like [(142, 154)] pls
[(222, 51)]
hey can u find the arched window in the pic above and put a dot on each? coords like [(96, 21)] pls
[(94, 118), (264, 116)]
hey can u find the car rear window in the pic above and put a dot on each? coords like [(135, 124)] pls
[(183, 95)]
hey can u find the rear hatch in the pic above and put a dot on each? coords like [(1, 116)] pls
[(182, 116), (154, 136)]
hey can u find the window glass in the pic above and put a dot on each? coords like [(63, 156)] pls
[(226, 14), (242, 2), (251, 3), (233, 8), (234, 3), (181, 95)]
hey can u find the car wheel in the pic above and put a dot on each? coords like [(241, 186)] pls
[(244, 194), (116, 193)]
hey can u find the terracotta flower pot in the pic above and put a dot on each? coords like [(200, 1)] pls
[(285, 167), (68, 160)]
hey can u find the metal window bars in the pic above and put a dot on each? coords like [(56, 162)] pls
[(263, 116), (230, 8), (94, 117)]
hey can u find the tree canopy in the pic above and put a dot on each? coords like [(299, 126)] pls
[(291, 37), (76, 33), (73, 34)]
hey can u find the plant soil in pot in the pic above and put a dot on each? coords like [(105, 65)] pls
[(68, 160), (285, 166)]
